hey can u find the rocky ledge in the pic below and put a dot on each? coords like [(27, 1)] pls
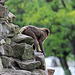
[(17, 56)]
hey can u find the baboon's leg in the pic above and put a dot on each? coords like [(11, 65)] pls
[(30, 33), (41, 46)]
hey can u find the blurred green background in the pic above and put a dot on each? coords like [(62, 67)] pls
[(56, 15)]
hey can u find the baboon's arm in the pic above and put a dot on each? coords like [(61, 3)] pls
[(41, 46)]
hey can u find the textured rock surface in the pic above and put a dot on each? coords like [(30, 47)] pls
[(15, 28), (3, 11), (23, 51), (29, 65), (23, 38), (8, 51), (40, 57), (8, 62), (0, 31), (1, 66), (1, 50), (1, 47), (15, 72), (11, 17)]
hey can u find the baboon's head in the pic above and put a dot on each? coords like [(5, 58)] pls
[(22, 30), (46, 31)]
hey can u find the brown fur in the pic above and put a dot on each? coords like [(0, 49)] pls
[(38, 34)]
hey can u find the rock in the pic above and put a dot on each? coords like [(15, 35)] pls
[(1, 66), (7, 62), (15, 27), (8, 50), (2, 42), (3, 11), (11, 17), (8, 41), (1, 51), (40, 57), (1, 31), (4, 30), (23, 51), (5, 73), (1, 47), (23, 39), (35, 73), (10, 35), (15, 72), (39, 72), (13, 63), (29, 65), (9, 28)]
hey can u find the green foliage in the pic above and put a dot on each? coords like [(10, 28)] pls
[(53, 15)]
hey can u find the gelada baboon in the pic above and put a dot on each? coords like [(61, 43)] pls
[(38, 34)]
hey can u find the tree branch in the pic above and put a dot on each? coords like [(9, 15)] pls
[(63, 3)]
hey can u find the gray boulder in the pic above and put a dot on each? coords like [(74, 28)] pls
[(40, 57), (6, 29), (1, 47), (1, 51), (8, 62), (29, 65), (14, 27), (8, 51), (11, 17), (1, 66), (23, 51), (20, 38), (8, 41), (3, 11), (12, 63), (0, 31), (15, 72)]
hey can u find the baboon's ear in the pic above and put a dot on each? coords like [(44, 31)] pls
[(47, 31)]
